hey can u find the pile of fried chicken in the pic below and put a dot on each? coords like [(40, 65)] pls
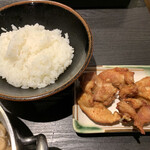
[(100, 91)]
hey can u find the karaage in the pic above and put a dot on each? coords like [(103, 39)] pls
[(135, 103), (97, 111), (104, 92), (126, 110), (136, 110), (128, 91), (86, 100), (142, 118), (118, 76), (144, 88)]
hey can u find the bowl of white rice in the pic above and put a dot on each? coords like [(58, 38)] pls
[(44, 47)]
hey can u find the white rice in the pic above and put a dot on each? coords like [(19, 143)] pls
[(33, 56)]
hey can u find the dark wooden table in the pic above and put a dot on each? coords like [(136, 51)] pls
[(121, 36)]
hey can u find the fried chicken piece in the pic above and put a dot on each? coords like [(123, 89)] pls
[(87, 81), (130, 106), (127, 111), (97, 111), (142, 118), (86, 100), (104, 92), (135, 103), (128, 91), (136, 110), (118, 77), (145, 101), (144, 88)]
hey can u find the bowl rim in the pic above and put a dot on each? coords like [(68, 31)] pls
[(83, 67)]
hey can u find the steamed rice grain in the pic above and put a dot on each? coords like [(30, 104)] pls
[(33, 56)]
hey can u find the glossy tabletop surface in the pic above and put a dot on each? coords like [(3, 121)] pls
[(121, 37)]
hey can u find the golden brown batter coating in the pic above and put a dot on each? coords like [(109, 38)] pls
[(144, 88), (126, 110), (128, 91), (118, 76), (104, 92), (135, 103), (142, 118), (97, 111)]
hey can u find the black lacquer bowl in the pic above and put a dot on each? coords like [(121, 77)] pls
[(52, 15)]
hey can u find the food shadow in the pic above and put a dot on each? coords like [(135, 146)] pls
[(51, 108), (92, 62), (135, 134), (54, 148)]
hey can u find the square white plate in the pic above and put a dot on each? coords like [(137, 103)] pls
[(83, 124)]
